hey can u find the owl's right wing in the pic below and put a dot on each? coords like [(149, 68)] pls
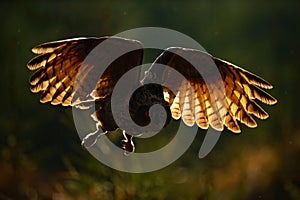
[(65, 75)]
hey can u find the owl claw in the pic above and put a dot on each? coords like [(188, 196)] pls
[(91, 139), (127, 144)]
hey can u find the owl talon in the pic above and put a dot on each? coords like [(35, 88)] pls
[(127, 143), (91, 139)]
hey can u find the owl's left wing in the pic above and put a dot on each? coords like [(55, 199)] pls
[(217, 93)]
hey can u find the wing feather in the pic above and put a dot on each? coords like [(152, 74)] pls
[(200, 109)]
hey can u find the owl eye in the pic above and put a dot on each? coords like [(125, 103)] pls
[(146, 113)]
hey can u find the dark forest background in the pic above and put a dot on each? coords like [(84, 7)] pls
[(40, 152)]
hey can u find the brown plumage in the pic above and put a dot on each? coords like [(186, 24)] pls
[(197, 101)]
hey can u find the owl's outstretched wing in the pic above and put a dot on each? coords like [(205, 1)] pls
[(218, 93), (61, 64)]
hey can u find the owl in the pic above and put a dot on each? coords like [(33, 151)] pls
[(195, 87)]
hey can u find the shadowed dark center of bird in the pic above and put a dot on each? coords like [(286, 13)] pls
[(143, 99), (143, 109)]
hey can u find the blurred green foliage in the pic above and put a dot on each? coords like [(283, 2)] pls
[(40, 152)]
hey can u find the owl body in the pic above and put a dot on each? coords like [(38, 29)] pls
[(202, 89)]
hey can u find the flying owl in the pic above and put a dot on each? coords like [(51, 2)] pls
[(62, 73)]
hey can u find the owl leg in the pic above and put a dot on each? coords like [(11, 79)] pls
[(127, 143), (91, 138)]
